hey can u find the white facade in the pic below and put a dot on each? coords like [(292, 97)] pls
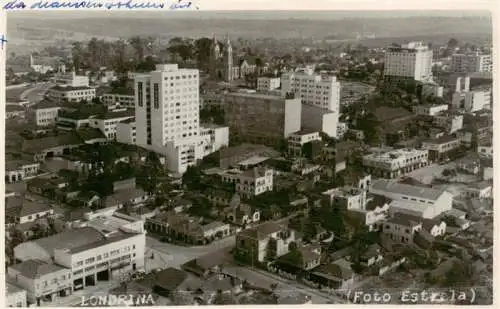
[(313, 89), (396, 162), (71, 94), (252, 182), (412, 200), (167, 114), (342, 129), (71, 80), (471, 63), (433, 90), (124, 100), (319, 119), (299, 139), (429, 110), (126, 132), (400, 230), (470, 101), (108, 123), (45, 116), (412, 60), (265, 84), (442, 144), (451, 123), (15, 297), (214, 138)]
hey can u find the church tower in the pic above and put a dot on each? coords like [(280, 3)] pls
[(228, 61), (214, 58)]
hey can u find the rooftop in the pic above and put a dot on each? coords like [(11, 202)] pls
[(400, 188), (70, 88), (263, 230), (115, 115), (441, 140), (45, 104), (405, 220), (255, 96), (34, 269), (388, 156)]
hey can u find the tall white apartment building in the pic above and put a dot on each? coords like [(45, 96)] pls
[(167, 115), (470, 100), (313, 89), (411, 61), (471, 63)]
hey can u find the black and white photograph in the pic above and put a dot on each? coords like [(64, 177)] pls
[(162, 158)]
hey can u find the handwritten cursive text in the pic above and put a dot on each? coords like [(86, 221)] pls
[(124, 4)]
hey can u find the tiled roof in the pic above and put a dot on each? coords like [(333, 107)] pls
[(45, 104), (71, 239), (34, 269), (414, 191)]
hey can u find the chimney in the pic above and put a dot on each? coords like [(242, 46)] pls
[(467, 83), (458, 86)]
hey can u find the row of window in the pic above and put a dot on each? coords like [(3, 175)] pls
[(182, 76)]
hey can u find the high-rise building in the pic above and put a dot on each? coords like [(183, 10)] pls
[(313, 89), (471, 63), (262, 118), (409, 61), (167, 115)]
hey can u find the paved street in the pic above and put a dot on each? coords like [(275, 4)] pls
[(284, 287), (35, 94), (426, 174), (175, 256)]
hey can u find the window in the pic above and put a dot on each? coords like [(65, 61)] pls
[(156, 96), (139, 94)]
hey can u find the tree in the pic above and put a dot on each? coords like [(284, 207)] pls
[(192, 178), (139, 46)]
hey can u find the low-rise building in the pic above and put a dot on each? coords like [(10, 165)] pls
[(413, 200), (439, 147), (44, 113), (107, 122), (480, 190), (251, 182), (108, 247), (298, 139), (450, 122), (265, 84), (401, 228), (485, 150), (43, 281), (24, 211), (391, 164), (15, 296), (342, 129), (123, 99), (60, 94), (430, 109), (19, 170), (347, 197), (266, 241), (14, 111)]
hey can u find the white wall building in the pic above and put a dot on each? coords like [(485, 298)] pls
[(265, 84), (430, 110), (299, 139), (71, 80), (470, 101), (126, 132), (125, 100), (251, 182), (108, 122), (214, 138), (401, 228), (391, 164), (412, 61), (106, 247), (314, 89), (15, 296), (71, 94), (448, 121), (44, 113), (413, 200), (167, 115), (319, 119), (342, 129), (471, 63), (432, 90)]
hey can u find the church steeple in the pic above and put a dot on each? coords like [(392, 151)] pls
[(228, 60)]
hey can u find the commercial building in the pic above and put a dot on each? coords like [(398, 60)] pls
[(15, 296), (470, 100), (319, 119), (108, 122), (44, 113), (471, 63), (262, 118), (107, 247), (413, 200), (126, 131), (268, 240), (251, 182), (314, 89), (430, 109), (410, 61), (60, 94), (394, 163), (43, 281), (265, 84), (298, 139), (71, 80), (124, 100), (439, 147), (451, 122), (167, 115)]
